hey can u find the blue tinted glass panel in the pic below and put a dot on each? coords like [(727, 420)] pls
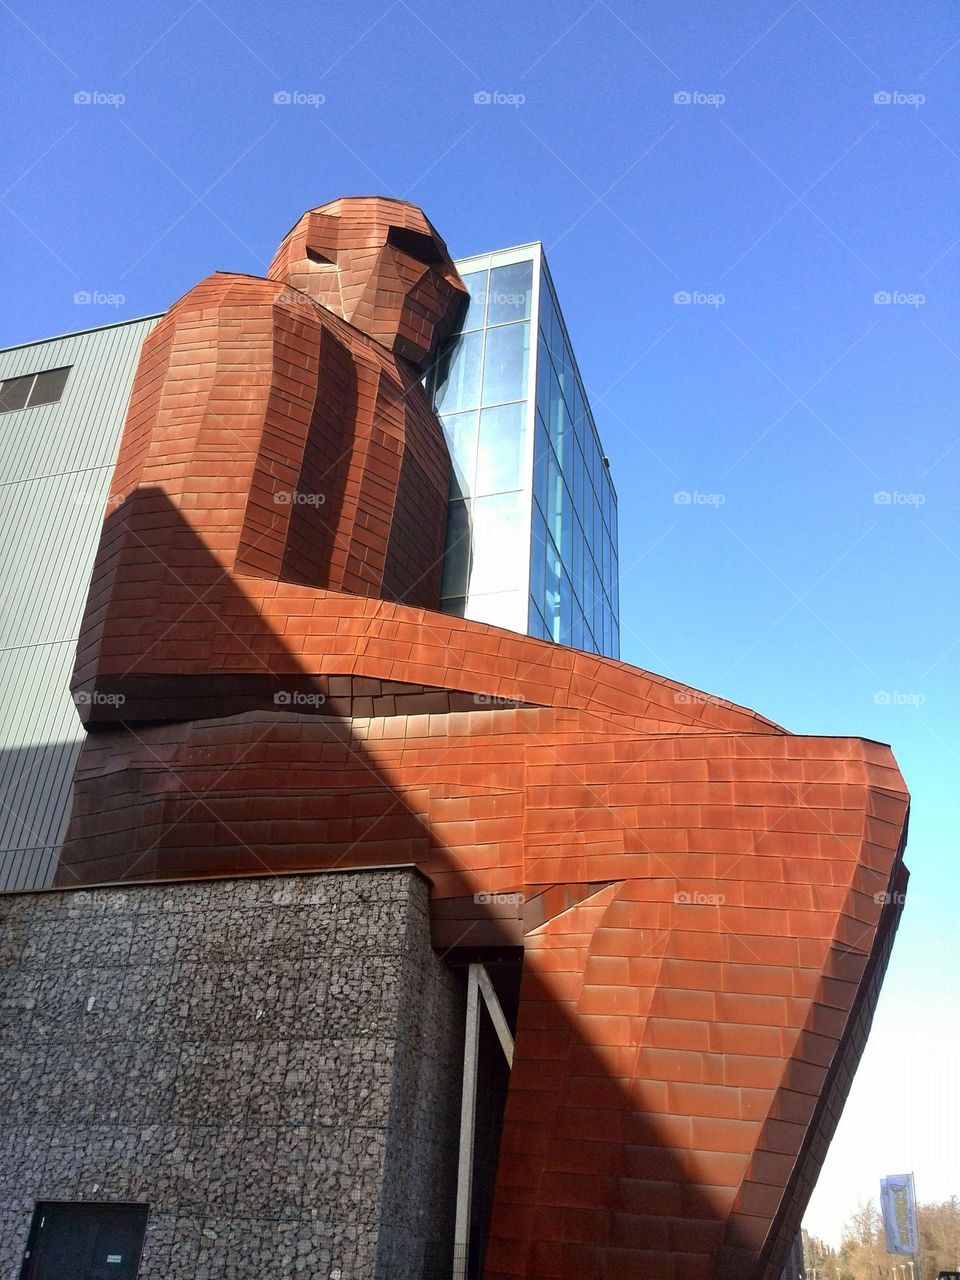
[(544, 376), (559, 426), (567, 606), (538, 542), (577, 562), (554, 509), (581, 425), (579, 630), (546, 311), (460, 375), (509, 295), (533, 619), (460, 430), (456, 557), (578, 479), (556, 332), (502, 453), (505, 364), (541, 450), (567, 526), (551, 596), (476, 282), (593, 595), (566, 375)]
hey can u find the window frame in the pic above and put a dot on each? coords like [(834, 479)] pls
[(32, 379)]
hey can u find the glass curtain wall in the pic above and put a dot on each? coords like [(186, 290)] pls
[(574, 568), (482, 395), (532, 526)]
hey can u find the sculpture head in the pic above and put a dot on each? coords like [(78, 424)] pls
[(380, 265)]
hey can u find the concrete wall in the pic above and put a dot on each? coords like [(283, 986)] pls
[(273, 1065)]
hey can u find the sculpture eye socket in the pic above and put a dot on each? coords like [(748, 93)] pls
[(315, 255), (415, 245)]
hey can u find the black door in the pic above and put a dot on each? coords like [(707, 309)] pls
[(85, 1241)]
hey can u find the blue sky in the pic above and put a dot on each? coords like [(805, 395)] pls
[(782, 195)]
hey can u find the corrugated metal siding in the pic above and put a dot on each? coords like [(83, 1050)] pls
[(35, 776), (55, 466)]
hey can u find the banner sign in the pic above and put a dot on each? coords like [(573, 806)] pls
[(898, 1204)]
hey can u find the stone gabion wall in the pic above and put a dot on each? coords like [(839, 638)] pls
[(271, 1064)]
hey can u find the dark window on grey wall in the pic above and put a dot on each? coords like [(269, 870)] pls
[(33, 389), (14, 392), (48, 387)]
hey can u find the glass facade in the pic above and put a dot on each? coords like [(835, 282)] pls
[(532, 527)]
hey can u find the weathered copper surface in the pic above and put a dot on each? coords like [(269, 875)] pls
[(705, 902)]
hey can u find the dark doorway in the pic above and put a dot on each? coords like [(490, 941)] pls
[(84, 1241)]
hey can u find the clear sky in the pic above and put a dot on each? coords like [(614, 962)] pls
[(781, 195)]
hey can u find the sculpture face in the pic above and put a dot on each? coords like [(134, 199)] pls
[(380, 265)]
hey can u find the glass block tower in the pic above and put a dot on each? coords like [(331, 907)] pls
[(532, 529)]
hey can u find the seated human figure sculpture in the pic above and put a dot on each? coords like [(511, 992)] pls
[(707, 900)]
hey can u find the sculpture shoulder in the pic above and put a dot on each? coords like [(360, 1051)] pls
[(232, 288), (227, 292)]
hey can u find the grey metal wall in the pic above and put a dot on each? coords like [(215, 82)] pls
[(55, 467)]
